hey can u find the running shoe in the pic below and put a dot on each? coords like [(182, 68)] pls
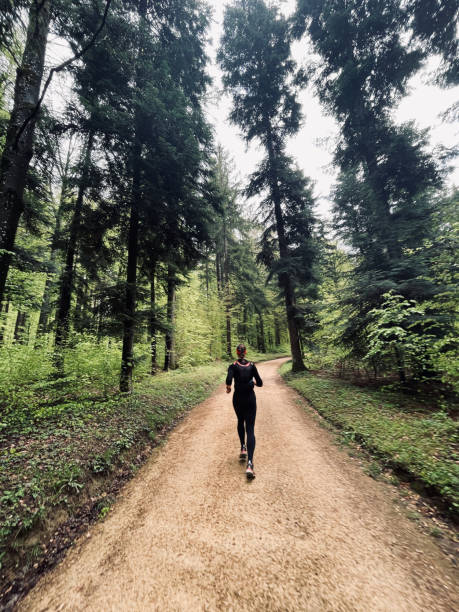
[(243, 454), (249, 471)]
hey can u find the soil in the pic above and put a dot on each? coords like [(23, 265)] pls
[(311, 532)]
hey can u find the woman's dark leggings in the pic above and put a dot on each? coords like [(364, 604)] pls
[(245, 407)]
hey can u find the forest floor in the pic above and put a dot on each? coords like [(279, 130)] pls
[(311, 532)]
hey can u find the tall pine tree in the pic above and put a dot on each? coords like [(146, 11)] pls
[(259, 73)]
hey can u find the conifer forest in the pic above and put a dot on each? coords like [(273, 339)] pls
[(135, 254)]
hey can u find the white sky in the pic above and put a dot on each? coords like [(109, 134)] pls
[(312, 147)]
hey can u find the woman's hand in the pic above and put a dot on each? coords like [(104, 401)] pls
[(228, 388)]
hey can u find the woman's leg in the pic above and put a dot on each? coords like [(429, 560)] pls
[(240, 422), (250, 416)]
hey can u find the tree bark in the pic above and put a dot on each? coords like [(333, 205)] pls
[(284, 280), (218, 272), (46, 300), (18, 149), (226, 289), (207, 273), (20, 327), (67, 277), (400, 366), (127, 356), (4, 320), (261, 335), (153, 338), (170, 362), (277, 339)]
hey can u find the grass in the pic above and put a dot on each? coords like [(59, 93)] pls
[(57, 450), (399, 432)]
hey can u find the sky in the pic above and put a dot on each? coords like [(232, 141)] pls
[(312, 147)]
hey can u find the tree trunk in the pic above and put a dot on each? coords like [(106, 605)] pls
[(67, 277), (81, 307), (301, 344), (207, 274), (375, 368), (127, 356), (45, 309), (153, 338), (170, 357), (244, 331), (384, 225), (18, 149), (228, 330), (4, 320), (17, 326), (46, 300), (261, 327), (218, 272), (226, 290), (284, 280), (277, 339), (20, 328), (400, 366)]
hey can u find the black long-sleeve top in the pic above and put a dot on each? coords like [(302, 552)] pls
[(243, 372)]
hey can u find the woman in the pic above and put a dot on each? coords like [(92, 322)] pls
[(245, 403)]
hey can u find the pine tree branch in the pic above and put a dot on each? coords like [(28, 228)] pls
[(61, 67)]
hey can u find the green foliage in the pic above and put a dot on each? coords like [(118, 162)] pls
[(258, 70), (398, 431), (92, 363), (197, 322), (398, 332), (49, 454), (435, 26), (383, 201)]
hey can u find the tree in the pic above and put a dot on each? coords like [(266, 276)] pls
[(383, 197), (224, 199), (259, 73), (434, 25), (127, 357), (64, 171), (169, 148), (18, 149)]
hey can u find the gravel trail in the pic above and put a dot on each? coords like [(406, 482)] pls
[(311, 532)]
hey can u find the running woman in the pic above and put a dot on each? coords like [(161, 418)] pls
[(245, 403)]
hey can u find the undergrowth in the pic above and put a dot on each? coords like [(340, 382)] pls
[(63, 440), (59, 437)]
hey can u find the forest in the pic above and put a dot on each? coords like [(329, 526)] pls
[(130, 248), (121, 210)]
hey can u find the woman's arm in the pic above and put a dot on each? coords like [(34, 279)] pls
[(229, 378), (257, 376)]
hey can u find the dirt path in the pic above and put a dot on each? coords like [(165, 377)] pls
[(311, 532)]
